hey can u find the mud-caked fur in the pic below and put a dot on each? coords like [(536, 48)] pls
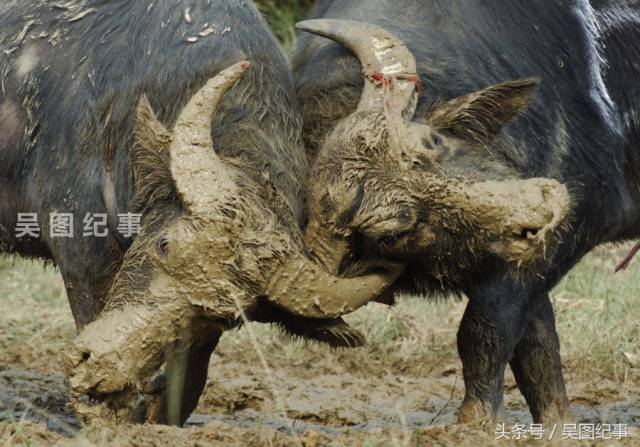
[(71, 77), (401, 189), (581, 128)]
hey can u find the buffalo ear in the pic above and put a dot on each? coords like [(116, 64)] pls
[(150, 159), (150, 134), (479, 117)]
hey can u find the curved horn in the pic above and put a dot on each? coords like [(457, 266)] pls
[(199, 174), (389, 67), (305, 289)]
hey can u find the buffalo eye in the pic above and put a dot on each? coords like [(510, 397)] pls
[(437, 142), (163, 247)]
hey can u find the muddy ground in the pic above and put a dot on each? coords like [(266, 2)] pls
[(402, 389)]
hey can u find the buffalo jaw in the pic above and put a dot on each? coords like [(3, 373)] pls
[(113, 359), (512, 219), (529, 212)]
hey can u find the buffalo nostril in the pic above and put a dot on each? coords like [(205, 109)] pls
[(528, 233), (86, 355)]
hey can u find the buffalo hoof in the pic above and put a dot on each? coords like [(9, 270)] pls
[(555, 415), (153, 406), (479, 414)]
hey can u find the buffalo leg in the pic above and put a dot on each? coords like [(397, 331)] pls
[(492, 324), (194, 367), (196, 378), (537, 368)]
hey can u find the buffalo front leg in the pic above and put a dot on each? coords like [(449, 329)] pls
[(491, 326), (175, 393), (537, 367)]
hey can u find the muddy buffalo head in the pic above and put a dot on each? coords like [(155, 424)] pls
[(212, 247), (385, 180)]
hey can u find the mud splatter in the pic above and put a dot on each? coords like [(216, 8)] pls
[(27, 61), (11, 124)]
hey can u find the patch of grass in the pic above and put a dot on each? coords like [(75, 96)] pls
[(282, 16), (35, 320), (598, 317)]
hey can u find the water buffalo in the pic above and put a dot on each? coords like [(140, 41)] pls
[(521, 156), (110, 110)]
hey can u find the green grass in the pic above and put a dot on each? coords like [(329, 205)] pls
[(598, 316), (35, 320), (282, 15)]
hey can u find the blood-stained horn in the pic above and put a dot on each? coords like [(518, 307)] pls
[(388, 65), (201, 177)]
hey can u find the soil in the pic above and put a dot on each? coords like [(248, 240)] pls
[(313, 407)]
